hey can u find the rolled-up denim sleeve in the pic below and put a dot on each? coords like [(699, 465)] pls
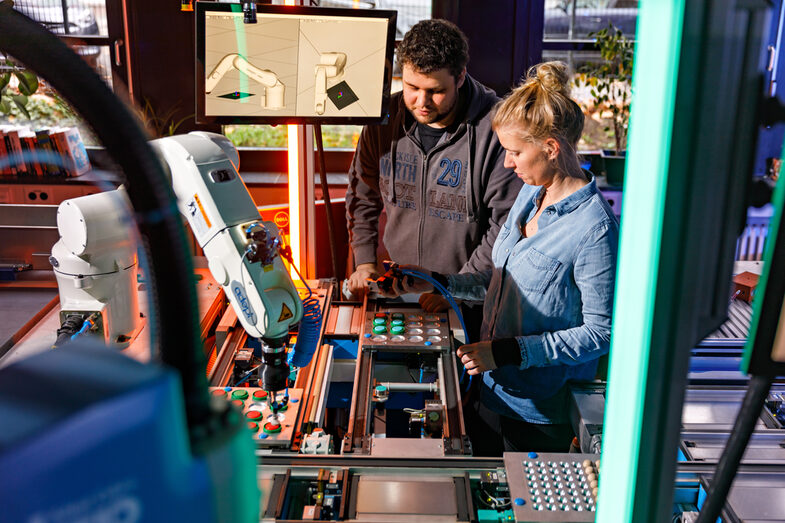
[(469, 285), (594, 274)]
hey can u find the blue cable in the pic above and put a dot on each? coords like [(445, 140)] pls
[(247, 375), (310, 326), (444, 292), (87, 325)]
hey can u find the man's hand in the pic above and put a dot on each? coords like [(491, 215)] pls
[(405, 283), (432, 302), (476, 357), (357, 284)]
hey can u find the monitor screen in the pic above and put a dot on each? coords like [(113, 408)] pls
[(290, 64)]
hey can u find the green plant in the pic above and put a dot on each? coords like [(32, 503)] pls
[(257, 135), (333, 136), (16, 96), (26, 80), (163, 124), (610, 81)]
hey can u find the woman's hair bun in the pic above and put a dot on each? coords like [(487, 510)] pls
[(552, 76), (541, 106)]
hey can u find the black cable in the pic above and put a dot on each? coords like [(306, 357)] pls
[(69, 327), (328, 209), (174, 321), (754, 399)]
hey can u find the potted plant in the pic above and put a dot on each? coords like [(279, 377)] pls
[(17, 96), (610, 84), (160, 124)]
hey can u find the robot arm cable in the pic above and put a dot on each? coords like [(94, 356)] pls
[(310, 324)]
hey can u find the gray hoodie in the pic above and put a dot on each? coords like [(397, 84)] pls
[(445, 207)]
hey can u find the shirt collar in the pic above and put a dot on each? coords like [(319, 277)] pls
[(568, 204)]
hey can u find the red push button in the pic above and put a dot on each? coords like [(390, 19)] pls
[(260, 395), (253, 415), (272, 428)]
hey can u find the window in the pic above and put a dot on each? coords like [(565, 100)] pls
[(92, 29), (567, 26), (275, 137)]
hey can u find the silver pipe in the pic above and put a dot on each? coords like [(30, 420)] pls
[(328, 371), (411, 387), (442, 391)]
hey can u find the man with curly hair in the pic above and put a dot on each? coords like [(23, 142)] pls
[(436, 169)]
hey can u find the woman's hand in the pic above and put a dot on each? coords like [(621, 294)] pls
[(476, 357)]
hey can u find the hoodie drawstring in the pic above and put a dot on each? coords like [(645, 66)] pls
[(469, 178), (391, 196)]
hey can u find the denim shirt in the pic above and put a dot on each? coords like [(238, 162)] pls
[(553, 292)]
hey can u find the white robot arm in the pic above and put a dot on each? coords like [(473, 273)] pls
[(275, 90), (241, 249), (95, 264), (331, 65)]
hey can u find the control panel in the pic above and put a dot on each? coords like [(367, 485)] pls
[(268, 429), (553, 487), (406, 330)]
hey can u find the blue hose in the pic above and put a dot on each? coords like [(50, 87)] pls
[(310, 326), (87, 325), (444, 292)]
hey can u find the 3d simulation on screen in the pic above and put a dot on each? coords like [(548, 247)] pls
[(273, 95), (311, 66)]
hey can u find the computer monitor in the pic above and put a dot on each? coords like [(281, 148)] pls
[(291, 64)]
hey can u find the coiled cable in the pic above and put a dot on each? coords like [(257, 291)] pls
[(310, 324)]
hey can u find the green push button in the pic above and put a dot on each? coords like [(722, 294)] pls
[(397, 329), (397, 322), (379, 329), (379, 321), (239, 394)]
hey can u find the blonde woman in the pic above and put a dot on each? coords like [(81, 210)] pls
[(549, 298)]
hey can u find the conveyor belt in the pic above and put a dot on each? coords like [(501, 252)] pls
[(738, 324)]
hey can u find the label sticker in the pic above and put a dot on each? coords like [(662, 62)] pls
[(286, 313), (197, 216), (243, 302)]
